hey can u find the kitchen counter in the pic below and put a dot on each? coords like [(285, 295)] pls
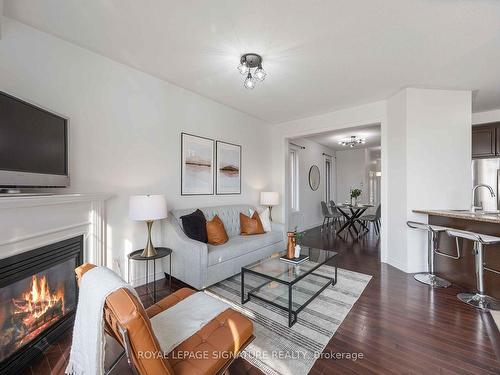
[(462, 271), (487, 217)]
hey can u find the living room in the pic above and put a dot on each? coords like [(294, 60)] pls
[(174, 108)]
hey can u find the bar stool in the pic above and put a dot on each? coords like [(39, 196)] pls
[(429, 277), (478, 299)]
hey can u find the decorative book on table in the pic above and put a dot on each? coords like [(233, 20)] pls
[(300, 259)]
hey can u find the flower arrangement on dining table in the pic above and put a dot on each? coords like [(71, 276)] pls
[(355, 193)]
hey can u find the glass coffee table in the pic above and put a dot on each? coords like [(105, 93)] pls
[(288, 286)]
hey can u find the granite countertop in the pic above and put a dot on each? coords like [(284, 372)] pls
[(487, 217)]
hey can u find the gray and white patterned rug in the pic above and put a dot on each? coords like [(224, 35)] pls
[(278, 349)]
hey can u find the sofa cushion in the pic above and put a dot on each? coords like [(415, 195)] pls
[(194, 225), (229, 214), (264, 219), (250, 225), (215, 232), (240, 245)]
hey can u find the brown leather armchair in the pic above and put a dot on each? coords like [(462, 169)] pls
[(209, 351)]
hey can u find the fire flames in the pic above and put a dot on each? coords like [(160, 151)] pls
[(38, 307)]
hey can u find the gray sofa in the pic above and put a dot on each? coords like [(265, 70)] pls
[(201, 265)]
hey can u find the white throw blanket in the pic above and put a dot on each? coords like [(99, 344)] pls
[(184, 319), (87, 348)]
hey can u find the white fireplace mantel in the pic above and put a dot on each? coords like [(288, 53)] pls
[(31, 221)]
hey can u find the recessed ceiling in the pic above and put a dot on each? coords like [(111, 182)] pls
[(371, 134), (320, 55)]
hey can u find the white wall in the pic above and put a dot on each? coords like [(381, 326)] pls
[(436, 143), (125, 128), (351, 174), (485, 117), (309, 214), (396, 182), (1, 18)]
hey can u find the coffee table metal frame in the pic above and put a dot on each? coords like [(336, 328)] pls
[(292, 314)]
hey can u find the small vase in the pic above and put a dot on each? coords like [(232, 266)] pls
[(353, 201), (297, 251), (290, 249)]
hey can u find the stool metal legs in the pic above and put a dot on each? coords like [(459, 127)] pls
[(479, 299), (430, 278)]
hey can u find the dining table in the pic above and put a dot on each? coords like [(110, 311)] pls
[(352, 213)]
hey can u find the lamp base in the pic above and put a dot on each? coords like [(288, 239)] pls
[(149, 249), (270, 213)]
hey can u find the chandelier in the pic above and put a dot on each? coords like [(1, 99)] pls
[(251, 67), (352, 141)]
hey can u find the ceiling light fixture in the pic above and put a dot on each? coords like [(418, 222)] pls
[(248, 62), (352, 141)]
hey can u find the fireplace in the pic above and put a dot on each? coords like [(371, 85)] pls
[(38, 298)]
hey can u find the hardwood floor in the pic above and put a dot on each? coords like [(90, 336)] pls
[(399, 325), (402, 326)]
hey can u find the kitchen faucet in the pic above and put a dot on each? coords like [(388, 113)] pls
[(473, 207)]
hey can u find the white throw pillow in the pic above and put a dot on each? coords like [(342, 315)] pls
[(264, 218)]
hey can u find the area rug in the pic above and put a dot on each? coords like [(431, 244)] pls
[(278, 349)]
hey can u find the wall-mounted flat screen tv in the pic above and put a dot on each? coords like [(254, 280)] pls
[(33, 145)]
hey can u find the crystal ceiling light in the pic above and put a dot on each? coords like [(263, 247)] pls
[(352, 141), (243, 68), (260, 74), (249, 81), (248, 62)]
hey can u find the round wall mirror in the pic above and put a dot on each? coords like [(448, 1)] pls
[(314, 177)]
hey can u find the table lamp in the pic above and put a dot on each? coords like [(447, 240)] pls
[(148, 208), (269, 199)]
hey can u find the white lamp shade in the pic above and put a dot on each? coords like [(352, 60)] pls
[(147, 207), (269, 198)]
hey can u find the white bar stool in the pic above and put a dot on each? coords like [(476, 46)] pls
[(479, 299), (429, 277)]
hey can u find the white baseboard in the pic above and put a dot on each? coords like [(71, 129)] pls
[(414, 268), (396, 263)]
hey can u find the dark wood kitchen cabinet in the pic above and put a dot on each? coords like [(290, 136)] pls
[(486, 140)]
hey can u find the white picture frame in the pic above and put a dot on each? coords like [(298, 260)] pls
[(197, 165), (228, 174)]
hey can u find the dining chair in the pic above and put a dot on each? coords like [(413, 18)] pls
[(335, 212), (373, 219), (327, 215)]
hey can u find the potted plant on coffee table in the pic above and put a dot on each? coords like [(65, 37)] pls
[(298, 238)]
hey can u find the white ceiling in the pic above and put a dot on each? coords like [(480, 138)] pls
[(371, 134), (320, 55)]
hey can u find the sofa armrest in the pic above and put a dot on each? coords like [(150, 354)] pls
[(189, 257)]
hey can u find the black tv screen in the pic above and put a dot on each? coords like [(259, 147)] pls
[(33, 143)]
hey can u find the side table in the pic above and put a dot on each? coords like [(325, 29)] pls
[(161, 252)]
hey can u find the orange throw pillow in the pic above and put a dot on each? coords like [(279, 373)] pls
[(251, 225), (260, 227), (216, 232)]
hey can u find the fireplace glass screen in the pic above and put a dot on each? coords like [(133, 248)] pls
[(31, 305)]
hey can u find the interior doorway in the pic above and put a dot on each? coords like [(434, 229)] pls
[(335, 177)]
